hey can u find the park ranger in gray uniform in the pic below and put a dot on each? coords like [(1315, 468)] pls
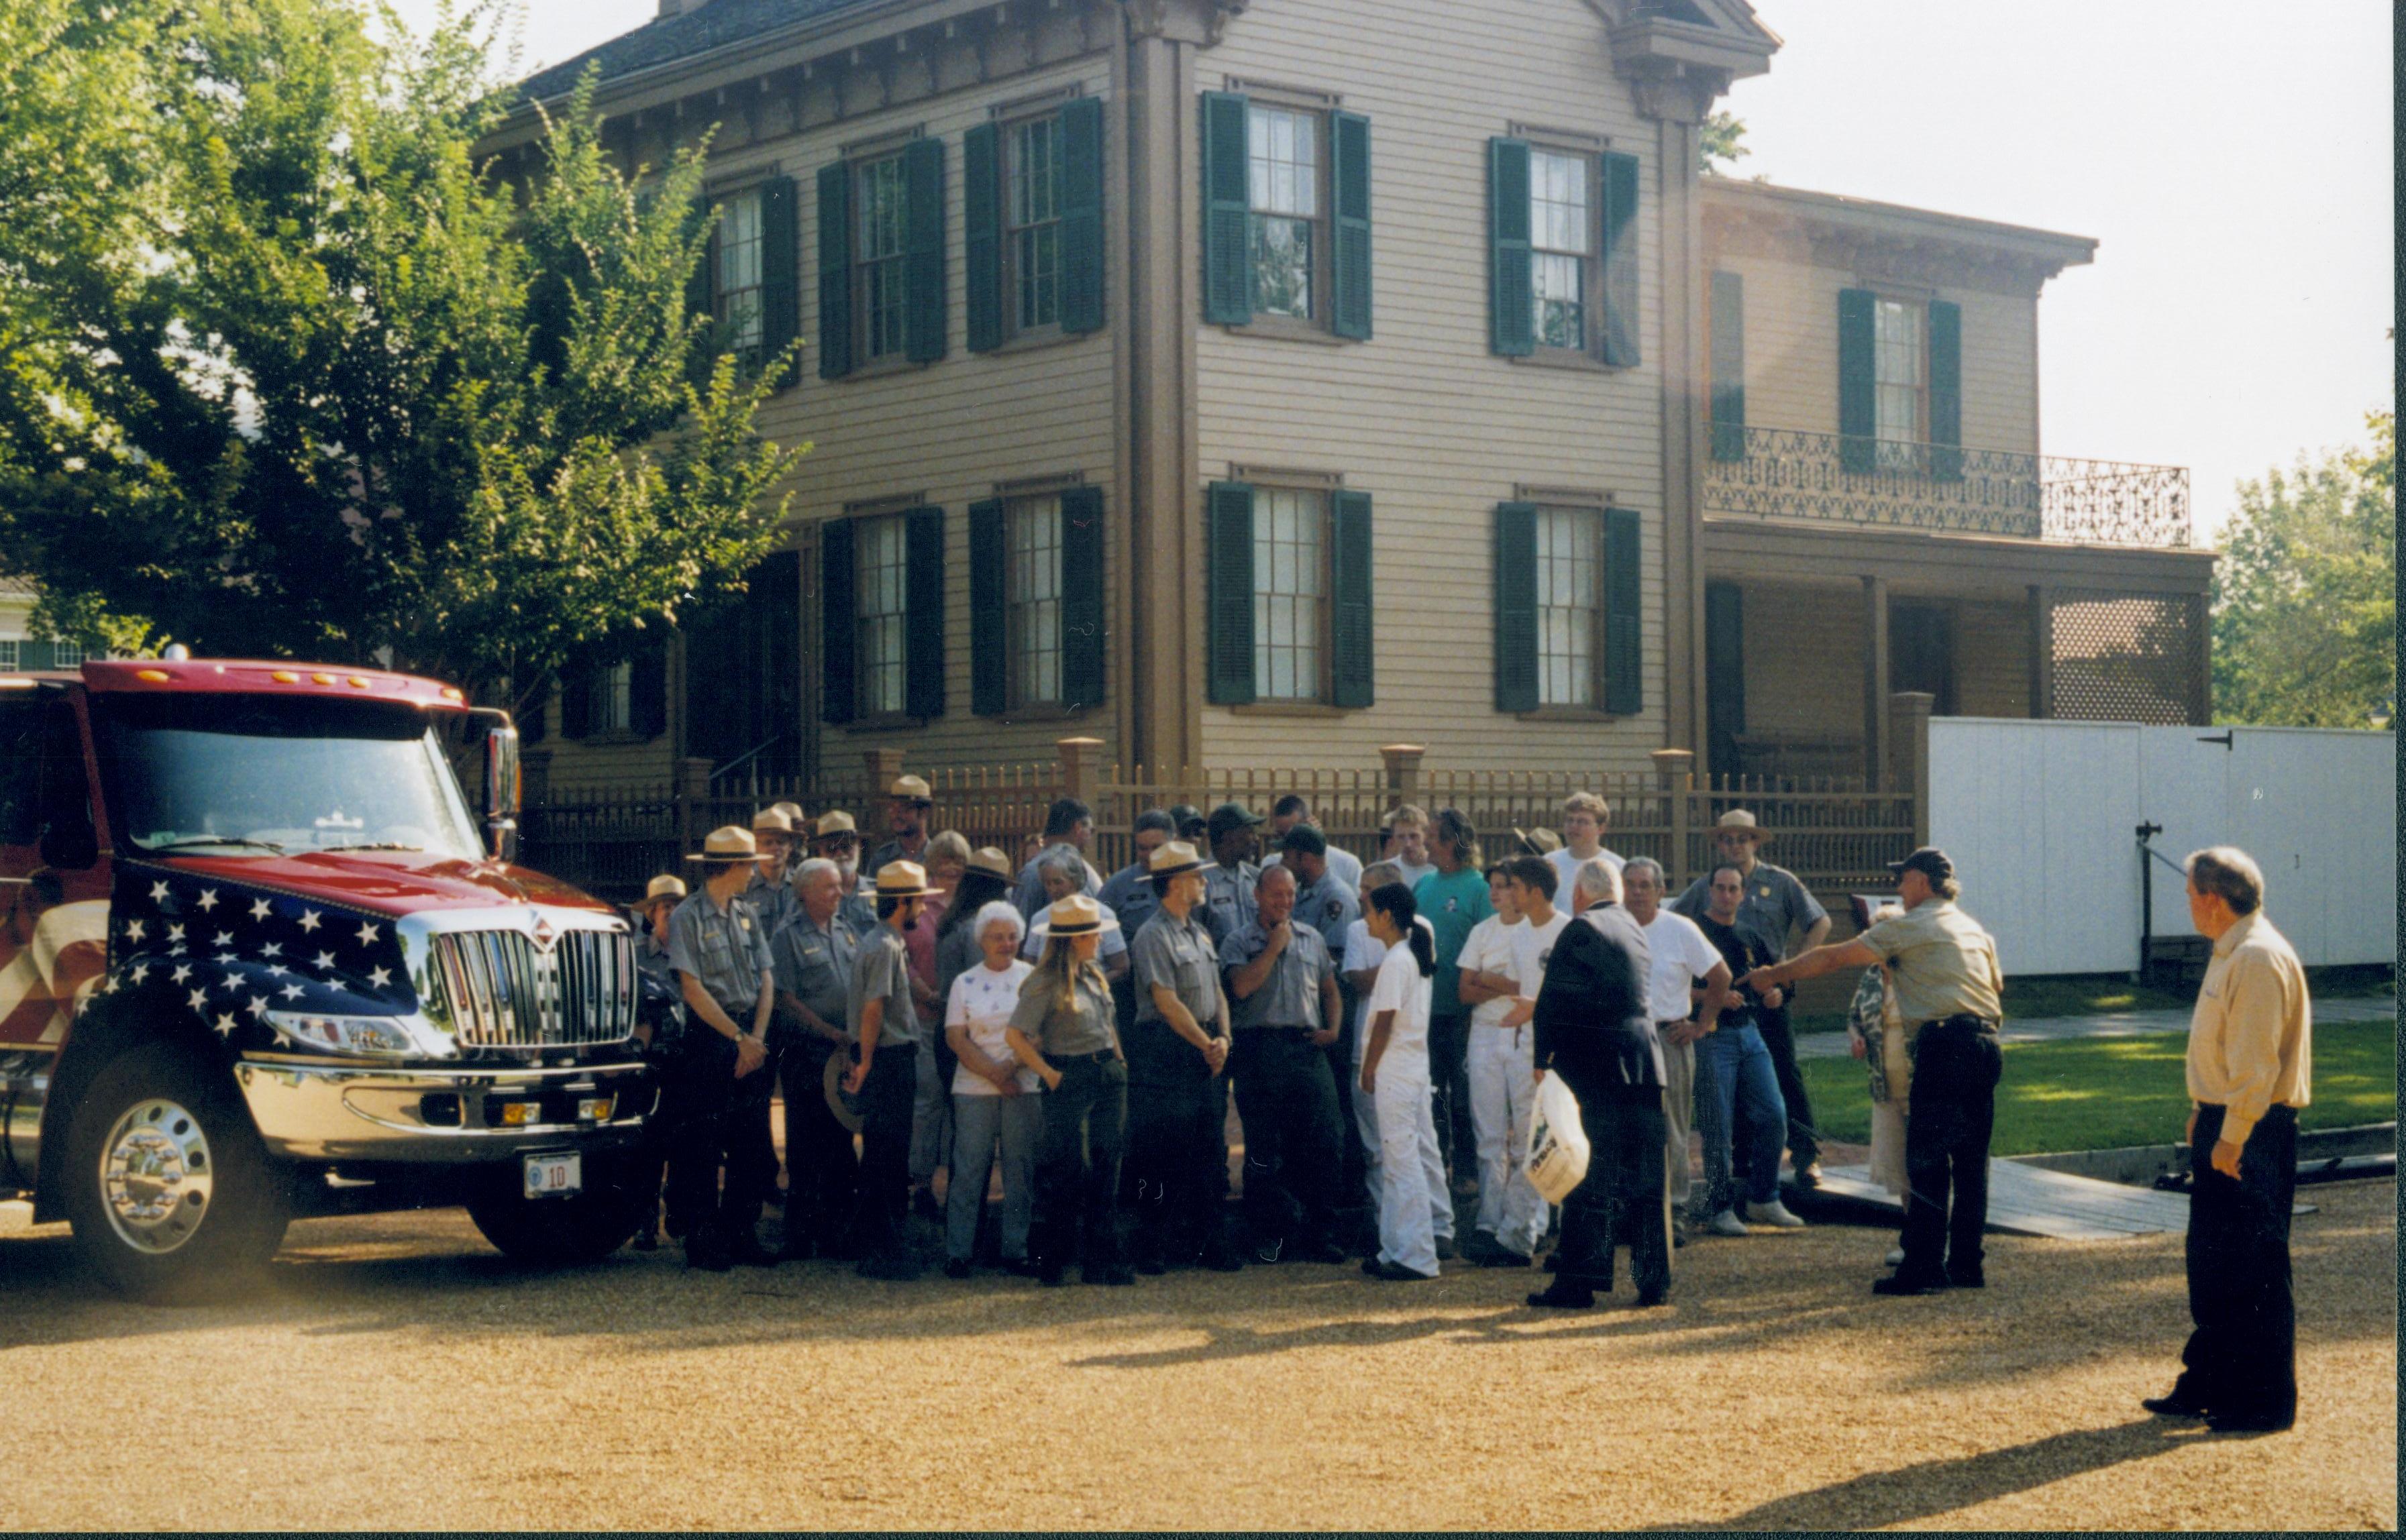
[(1178, 1141), (812, 957), (1228, 882), (1286, 1009)]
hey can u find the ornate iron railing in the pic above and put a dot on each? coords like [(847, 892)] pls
[(1781, 473)]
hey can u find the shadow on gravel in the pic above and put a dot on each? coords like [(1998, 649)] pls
[(1936, 1487)]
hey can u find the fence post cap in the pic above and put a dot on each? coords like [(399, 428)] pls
[(1396, 750)]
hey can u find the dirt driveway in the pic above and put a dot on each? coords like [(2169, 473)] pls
[(399, 1374)]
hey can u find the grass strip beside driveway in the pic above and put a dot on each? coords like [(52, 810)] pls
[(2110, 1093)]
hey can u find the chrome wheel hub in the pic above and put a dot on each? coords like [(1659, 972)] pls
[(155, 1176)]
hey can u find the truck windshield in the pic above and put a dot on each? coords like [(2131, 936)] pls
[(226, 773)]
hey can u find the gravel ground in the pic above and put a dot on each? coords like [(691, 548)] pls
[(397, 1374)]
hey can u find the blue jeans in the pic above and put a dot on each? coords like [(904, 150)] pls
[(1745, 1083), (978, 1121)]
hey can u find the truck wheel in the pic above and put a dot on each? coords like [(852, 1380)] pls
[(172, 1197), (554, 1232)]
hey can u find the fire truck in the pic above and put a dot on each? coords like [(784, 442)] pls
[(260, 962)]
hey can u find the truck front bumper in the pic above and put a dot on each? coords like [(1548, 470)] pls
[(308, 1110)]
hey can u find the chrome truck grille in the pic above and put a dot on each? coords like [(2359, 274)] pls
[(500, 989)]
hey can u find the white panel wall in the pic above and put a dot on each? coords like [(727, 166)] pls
[(2040, 818)]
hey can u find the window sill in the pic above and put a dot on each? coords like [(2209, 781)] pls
[(880, 370), (1033, 342), (892, 722), (1567, 713), (1290, 707), (1043, 712), (1287, 328), (1559, 359)]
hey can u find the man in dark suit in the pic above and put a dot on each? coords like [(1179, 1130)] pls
[(1594, 1031)]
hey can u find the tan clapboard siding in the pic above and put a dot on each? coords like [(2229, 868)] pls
[(1992, 660), (1792, 352), (1422, 418), (950, 429)]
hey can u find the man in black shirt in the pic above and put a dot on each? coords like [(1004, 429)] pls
[(1743, 1084)]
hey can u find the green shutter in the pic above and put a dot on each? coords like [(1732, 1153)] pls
[(1081, 215), (1516, 605), (838, 640), (1620, 328), (1228, 521), (781, 277), (989, 631), (1353, 671), (1082, 627), (1624, 662), (981, 233), (1947, 390), (1724, 675), (531, 704), (835, 283), (1227, 215), (923, 613), (647, 690), (1511, 317), (1858, 419), (575, 700), (1729, 366), (923, 247), (1350, 197)]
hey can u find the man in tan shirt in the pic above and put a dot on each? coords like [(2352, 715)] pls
[(2250, 1051)]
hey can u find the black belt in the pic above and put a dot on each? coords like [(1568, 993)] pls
[(1104, 1055), (1977, 1024), (1287, 1031)]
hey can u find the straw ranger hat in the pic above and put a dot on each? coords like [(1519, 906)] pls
[(1739, 821), (1176, 857), (845, 1104), (910, 788), (772, 821), (1539, 842), (994, 863), (902, 880), (731, 843), (1075, 915), (670, 890), (836, 824)]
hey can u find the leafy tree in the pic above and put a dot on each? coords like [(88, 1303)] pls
[(2305, 603), (1719, 140), (299, 377)]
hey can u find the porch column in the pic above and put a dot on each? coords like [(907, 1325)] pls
[(2042, 651), (1876, 681)]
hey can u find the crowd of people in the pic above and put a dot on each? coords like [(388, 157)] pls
[(1383, 1032)]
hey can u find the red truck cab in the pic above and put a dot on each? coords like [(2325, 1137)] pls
[(260, 962)]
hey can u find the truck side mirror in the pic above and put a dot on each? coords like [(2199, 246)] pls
[(502, 791)]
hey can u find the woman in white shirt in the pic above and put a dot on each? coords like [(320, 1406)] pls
[(1395, 1074), (993, 1097)]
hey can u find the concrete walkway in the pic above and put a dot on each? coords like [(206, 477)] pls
[(2119, 1023)]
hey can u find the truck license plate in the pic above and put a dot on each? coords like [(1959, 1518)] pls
[(554, 1176)]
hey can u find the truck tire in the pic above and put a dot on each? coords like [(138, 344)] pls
[(558, 1232), (172, 1197)]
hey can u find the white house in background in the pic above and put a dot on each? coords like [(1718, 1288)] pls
[(18, 648)]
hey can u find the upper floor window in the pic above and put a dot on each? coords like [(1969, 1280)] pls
[(1033, 610), (1897, 379), (736, 276), (66, 655), (1570, 594), (1284, 180), (8, 655), (614, 700), (882, 589), (880, 283), (1290, 593), (1032, 221), (1562, 237)]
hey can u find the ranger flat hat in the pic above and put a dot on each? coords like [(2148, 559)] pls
[(730, 844), (1075, 915), (910, 788), (1539, 842), (845, 1104), (993, 862), (1928, 860), (672, 889), (793, 811), (902, 880), (772, 821), (1176, 857), (833, 824), (1739, 821)]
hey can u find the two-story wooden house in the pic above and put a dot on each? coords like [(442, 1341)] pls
[(1258, 382)]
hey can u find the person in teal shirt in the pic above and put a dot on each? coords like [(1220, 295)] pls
[(1452, 899)]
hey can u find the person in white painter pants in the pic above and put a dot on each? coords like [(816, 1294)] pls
[(1395, 1075), (1359, 966), (1502, 965)]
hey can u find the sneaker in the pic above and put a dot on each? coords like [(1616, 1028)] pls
[(957, 1267), (1774, 1214), (1726, 1222)]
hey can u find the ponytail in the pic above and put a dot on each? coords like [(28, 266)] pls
[(1394, 900)]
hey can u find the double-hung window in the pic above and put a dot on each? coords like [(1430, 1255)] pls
[(1032, 611), (882, 590), (736, 292), (1290, 593), (1562, 250), (1570, 599), (66, 655), (1032, 221), (881, 286), (1284, 188), (1897, 379), (1561, 242)]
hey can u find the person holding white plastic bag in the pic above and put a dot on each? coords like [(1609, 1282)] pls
[(1502, 965), (1395, 1075)]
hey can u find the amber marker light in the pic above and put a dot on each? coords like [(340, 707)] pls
[(323, 678), (285, 676), (156, 676)]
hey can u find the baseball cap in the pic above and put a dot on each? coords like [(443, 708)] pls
[(1232, 815), (1928, 860)]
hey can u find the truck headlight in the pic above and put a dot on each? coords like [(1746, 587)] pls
[(380, 1036)]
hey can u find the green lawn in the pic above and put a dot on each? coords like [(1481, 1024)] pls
[(2103, 994), (2108, 1092)]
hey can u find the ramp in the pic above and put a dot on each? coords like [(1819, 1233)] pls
[(2025, 1200)]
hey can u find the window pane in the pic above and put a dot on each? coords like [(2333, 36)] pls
[(1284, 180), (1031, 213), (1289, 593), (1032, 614), (1569, 589), (880, 218), (1282, 266), (879, 577), (735, 287), (1558, 204), (1896, 373), (1560, 314)]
